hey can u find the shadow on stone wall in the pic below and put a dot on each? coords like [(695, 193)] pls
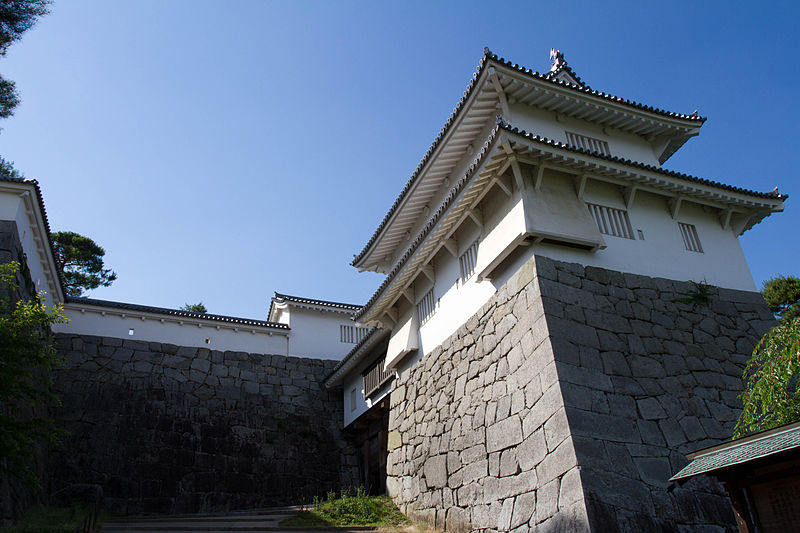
[(170, 429), (15, 496), (568, 400)]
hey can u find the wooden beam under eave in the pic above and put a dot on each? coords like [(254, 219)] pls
[(429, 273), (504, 167), (675, 206), (517, 174), (476, 217), (537, 183), (508, 188), (740, 225), (629, 194), (391, 314), (501, 94), (580, 185), (408, 293), (451, 246), (725, 218)]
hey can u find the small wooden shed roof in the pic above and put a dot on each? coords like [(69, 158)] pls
[(757, 446)]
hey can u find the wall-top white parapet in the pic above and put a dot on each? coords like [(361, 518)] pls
[(152, 324)]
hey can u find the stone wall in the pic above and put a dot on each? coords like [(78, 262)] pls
[(567, 401), (170, 429), (478, 437), (646, 379)]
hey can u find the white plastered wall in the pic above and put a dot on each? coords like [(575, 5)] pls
[(620, 144), (90, 320), (12, 207), (661, 253), (354, 384), (315, 333)]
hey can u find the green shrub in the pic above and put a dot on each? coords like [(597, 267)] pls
[(350, 509)]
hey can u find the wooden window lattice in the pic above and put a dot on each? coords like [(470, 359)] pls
[(376, 377), (690, 238), (426, 307), (610, 221), (588, 143), (467, 262), (351, 334)]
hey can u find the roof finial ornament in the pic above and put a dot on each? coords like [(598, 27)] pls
[(557, 57)]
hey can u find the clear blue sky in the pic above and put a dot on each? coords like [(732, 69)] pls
[(220, 151)]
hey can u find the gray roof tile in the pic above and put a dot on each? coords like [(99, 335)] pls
[(176, 312), (742, 450)]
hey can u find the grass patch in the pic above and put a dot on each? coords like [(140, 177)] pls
[(51, 519), (356, 509)]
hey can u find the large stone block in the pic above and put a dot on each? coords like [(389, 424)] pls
[(436, 471), (504, 434)]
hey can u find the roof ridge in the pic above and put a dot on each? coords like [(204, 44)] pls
[(318, 301), (442, 132), (637, 164), (501, 123), (488, 55), (40, 197), (174, 312), (434, 218), (560, 65)]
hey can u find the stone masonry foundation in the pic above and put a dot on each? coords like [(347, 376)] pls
[(170, 429), (567, 402)]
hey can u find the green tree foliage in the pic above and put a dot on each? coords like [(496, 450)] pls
[(8, 171), (16, 17), (783, 296), (195, 308), (80, 261), (27, 353), (772, 395)]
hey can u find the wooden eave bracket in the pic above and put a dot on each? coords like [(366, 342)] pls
[(501, 94), (409, 295), (476, 217), (740, 225), (517, 174), (580, 185), (675, 206), (725, 218), (428, 271), (629, 194), (507, 188), (452, 246), (391, 314), (537, 182)]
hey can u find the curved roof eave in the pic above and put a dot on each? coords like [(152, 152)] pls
[(504, 126), (354, 356), (488, 56), (174, 312), (40, 200)]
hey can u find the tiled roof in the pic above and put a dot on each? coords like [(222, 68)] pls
[(281, 298), (643, 166), (176, 312), (313, 301), (452, 195), (502, 125), (548, 77), (562, 66), (40, 198), (424, 161), (348, 359), (585, 89), (742, 450)]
